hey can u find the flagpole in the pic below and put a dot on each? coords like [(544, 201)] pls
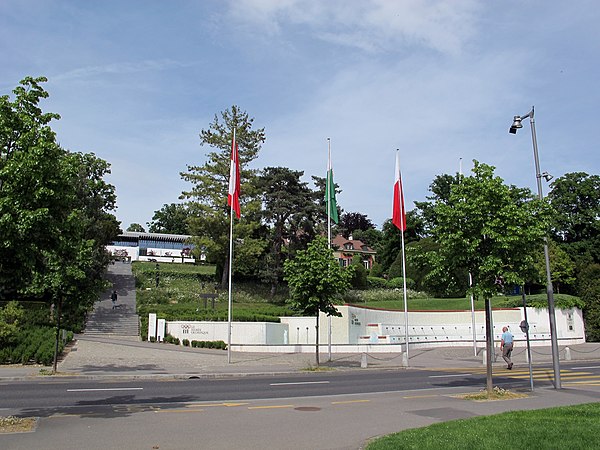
[(402, 215), (460, 172), (405, 299), (230, 271), (328, 235)]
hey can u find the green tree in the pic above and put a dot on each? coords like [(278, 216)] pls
[(11, 319), (562, 268), (576, 199), (316, 280), (589, 290), (390, 244), (170, 219), (359, 273), (491, 229), (353, 221), (440, 189), (207, 198), (284, 199), (136, 228), (371, 237), (54, 211)]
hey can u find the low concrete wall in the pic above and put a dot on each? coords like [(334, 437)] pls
[(379, 330)]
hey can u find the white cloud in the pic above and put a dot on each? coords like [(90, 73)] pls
[(374, 25)]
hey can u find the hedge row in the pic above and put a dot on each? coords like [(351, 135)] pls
[(394, 283), (33, 346)]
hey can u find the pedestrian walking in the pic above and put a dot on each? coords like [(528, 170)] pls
[(506, 344), (113, 297)]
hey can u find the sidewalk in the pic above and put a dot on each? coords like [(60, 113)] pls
[(113, 357)]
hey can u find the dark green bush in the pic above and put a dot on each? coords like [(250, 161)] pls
[(376, 282), (33, 345), (171, 339), (210, 344), (398, 283), (186, 342)]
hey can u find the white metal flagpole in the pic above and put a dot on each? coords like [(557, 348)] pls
[(402, 226), (460, 173), (327, 187), (230, 271), (405, 299)]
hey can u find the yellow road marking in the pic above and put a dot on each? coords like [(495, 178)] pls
[(270, 407), (421, 396), (178, 410), (350, 401)]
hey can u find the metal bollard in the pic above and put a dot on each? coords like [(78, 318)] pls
[(567, 354), (363, 361)]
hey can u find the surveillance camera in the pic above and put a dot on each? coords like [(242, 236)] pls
[(513, 130)]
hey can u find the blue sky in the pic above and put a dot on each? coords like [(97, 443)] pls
[(135, 81)]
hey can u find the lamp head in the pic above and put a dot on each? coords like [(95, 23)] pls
[(516, 125), (546, 176)]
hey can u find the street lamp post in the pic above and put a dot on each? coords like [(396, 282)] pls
[(549, 290)]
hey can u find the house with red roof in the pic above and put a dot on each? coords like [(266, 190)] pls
[(345, 249)]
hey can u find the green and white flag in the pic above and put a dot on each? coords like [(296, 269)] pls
[(332, 212)]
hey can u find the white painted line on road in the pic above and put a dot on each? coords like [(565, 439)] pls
[(105, 389), (299, 382), (449, 376), (589, 367)]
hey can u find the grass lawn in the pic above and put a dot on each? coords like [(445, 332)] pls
[(569, 427), (178, 297), (455, 304)]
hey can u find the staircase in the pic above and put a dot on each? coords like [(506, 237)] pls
[(122, 321)]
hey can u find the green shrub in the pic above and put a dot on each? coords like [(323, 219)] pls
[(209, 344), (33, 345), (186, 342), (171, 339), (398, 283), (376, 270), (376, 282)]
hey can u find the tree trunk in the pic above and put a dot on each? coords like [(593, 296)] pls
[(58, 312), (225, 275)]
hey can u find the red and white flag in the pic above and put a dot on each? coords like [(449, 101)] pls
[(233, 196), (398, 212)]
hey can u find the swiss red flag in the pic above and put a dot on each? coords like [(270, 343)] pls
[(233, 196), (398, 214)]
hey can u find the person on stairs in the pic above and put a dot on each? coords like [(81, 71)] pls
[(113, 297)]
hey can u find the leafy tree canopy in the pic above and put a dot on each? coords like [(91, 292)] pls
[(490, 229), (576, 224), (136, 227), (170, 219), (316, 279), (55, 208), (207, 198)]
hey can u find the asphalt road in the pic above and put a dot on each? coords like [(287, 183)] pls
[(44, 398), (328, 410)]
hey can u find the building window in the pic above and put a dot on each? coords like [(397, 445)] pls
[(349, 246)]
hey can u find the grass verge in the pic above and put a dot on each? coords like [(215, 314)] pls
[(572, 427), (11, 424)]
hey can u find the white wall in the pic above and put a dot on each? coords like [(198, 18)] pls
[(241, 332), (364, 326)]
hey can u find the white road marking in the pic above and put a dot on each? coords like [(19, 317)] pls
[(448, 376), (105, 389), (300, 382)]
